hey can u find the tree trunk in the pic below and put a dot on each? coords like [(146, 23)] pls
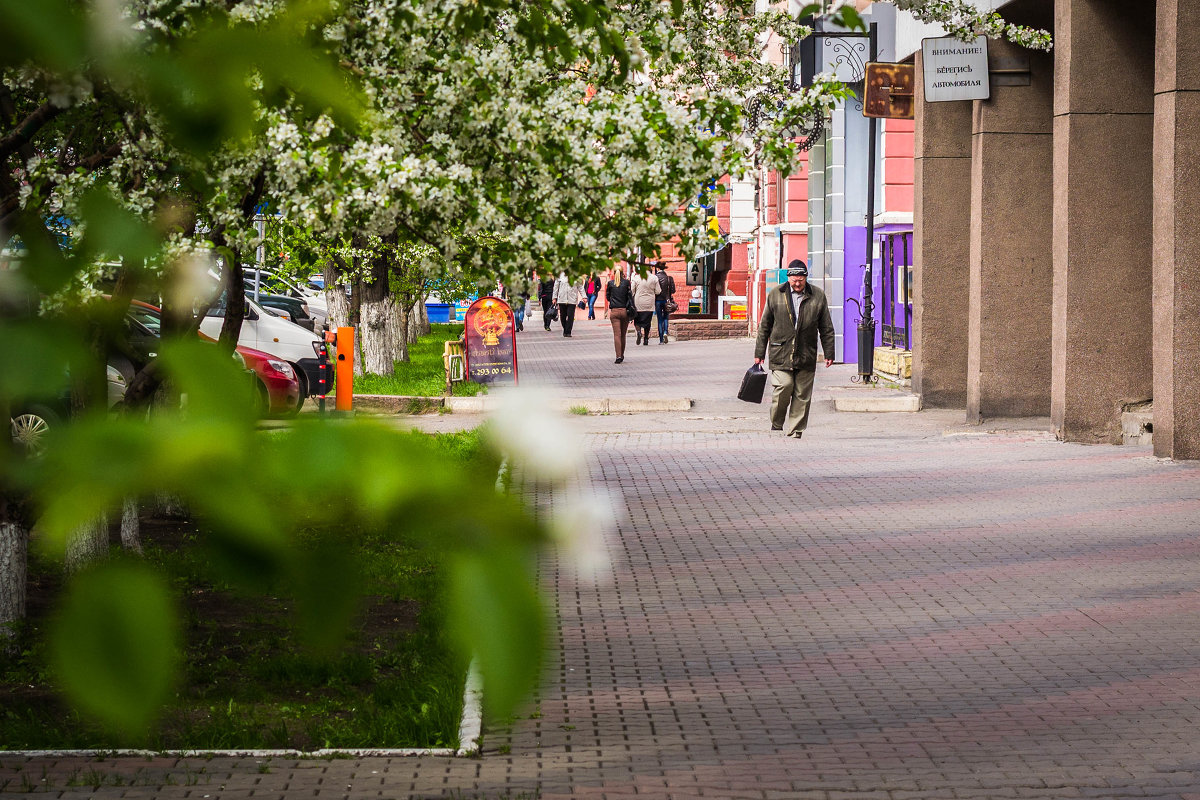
[(377, 330), (404, 318), (419, 321), (421, 314), (90, 543), (131, 529), (14, 550), (336, 295)]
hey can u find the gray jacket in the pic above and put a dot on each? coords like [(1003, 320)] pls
[(567, 293), (794, 346)]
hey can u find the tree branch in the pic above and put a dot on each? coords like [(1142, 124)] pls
[(24, 132)]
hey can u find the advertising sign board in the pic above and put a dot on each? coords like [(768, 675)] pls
[(491, 342), (954, 69)]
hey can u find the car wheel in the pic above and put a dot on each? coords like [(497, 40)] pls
[(262, 400), (302, 379), (30, 426)]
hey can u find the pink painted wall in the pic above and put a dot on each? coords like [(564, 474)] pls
[(898, 164)]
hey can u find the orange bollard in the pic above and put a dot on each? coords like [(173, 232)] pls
[(344, 384)]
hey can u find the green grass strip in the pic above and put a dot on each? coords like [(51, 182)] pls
[(424, 375)]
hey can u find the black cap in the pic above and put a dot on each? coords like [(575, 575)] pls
[(796, 267)]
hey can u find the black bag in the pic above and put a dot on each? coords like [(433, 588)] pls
[(551, 314), (672, 306), (582, 304), (754, 383)]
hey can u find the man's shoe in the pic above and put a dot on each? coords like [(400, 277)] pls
[(639, 337), (797, 435), (776, 427)]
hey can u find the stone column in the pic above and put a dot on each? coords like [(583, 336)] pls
[(1103, 127), (1176, 235), (1012, 269), (941, 245)]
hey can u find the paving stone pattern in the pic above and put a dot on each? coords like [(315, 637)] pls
[(897, 606)]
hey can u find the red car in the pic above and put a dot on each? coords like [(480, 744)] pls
[(277, 379), (279, 387)]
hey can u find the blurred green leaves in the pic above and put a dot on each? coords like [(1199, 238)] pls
[(115, 645), (497, 614)]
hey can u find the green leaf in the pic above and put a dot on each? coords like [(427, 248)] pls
[(114, 645), (495, 614), (52, 33), (215, 385), (114, 232), (849, 19), (39, 358)]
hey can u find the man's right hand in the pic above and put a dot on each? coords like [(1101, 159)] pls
[(758, 361)]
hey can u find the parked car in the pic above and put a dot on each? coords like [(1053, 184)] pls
[(277, 337), (275, 283), (291, 308), (278, 383), (31, 422)]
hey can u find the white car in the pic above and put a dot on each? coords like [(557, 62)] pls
[(275, 336), (318, 308)]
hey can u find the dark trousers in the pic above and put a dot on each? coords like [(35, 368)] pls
[(566, 317), (547, 304), (642, 323), (660, 309), (619, 318)]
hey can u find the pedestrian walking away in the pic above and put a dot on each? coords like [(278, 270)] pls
[(522, 300), (546, 297), (592, 290), (619, 296), (664, 301), (645, 292), (795, 313), (566, 296)]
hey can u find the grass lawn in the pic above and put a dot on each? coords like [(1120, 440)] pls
[(248, 683), (425, 374)]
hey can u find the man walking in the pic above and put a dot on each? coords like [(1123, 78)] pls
[(795, 313), (546, 296), (565, 296), (666, 295)]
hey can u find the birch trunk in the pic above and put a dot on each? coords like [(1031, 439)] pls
[(377, 332), (337, 297), (14, 552), (419, 324), (404, 331), (131, 528), (90, 543)]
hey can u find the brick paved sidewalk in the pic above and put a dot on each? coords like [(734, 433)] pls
[(897, 606)]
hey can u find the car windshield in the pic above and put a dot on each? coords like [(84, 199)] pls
[(150, 319)]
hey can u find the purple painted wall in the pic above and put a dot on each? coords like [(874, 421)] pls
[(855, 250)]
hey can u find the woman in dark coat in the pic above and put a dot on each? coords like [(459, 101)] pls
[(619, 295)]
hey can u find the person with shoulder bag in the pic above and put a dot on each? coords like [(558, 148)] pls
[(664, 304), (565, 296), (592, 289), (645, 293), (619, 296)]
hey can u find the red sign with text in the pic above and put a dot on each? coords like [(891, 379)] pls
[(491, 342)]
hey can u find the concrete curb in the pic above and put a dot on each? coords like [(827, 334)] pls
[(870, 402), (484, 404)]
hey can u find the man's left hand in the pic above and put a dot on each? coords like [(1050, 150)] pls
[(828, 363)]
